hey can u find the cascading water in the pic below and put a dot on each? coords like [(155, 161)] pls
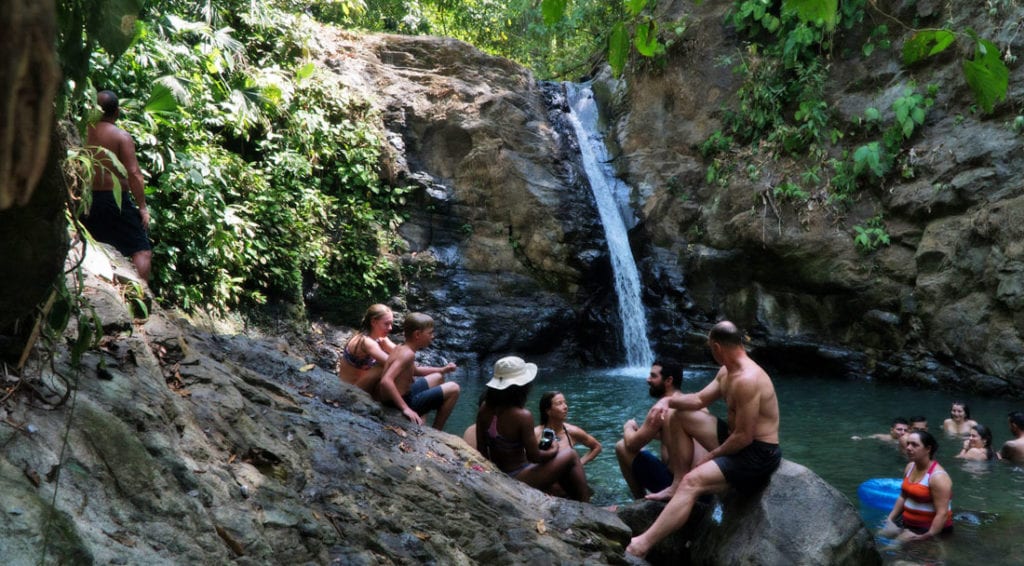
[(583, 116)]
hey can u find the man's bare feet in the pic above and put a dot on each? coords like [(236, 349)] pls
[(663, 495), (637, 547)]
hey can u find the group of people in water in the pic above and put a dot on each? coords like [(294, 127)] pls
[(700, 453), (924, 509)]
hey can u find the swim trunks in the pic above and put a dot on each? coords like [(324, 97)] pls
[(650, 472), (121, 228), (422, 398), (750, 469)]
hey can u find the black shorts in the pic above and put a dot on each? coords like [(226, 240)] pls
[(750, 469), (650, 472), (119, 227)]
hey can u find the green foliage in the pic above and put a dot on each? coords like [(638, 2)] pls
[(822, 13), (987, 75), (262, 173), (926, 43), (871, 158), (910, 110), (871, 236), (791, 191), (877, 39)]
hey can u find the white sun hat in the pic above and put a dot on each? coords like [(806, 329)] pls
[(512, 370)]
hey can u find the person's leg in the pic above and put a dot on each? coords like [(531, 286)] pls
[(558, 470), (434, 379), (143, 260), (574, 477), (682, 431), (625, 458), (451, 396), (706, 478)]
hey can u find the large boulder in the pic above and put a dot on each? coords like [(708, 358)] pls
[(797, 520)]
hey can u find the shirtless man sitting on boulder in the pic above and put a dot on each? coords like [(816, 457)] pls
[(744, 459)]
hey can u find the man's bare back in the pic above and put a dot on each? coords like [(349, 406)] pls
[(109, 136), (766, 423)]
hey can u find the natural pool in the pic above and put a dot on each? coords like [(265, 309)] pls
[(819, 416)]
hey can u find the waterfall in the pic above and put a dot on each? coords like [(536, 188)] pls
[(583, 116)]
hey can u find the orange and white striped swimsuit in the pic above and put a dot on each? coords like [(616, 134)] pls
[(918, 509)]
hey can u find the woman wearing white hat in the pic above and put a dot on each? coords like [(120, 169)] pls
[(504, 434)]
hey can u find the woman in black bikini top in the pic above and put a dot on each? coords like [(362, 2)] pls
[(553, 412)]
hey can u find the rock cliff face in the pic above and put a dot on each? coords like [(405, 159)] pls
[(504, 240), (941, 305), (508, 253)]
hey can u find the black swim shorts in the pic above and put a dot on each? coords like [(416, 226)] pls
[(750, 469), (650, 472), (119, 227)]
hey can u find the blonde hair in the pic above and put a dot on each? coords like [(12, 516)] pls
[(373, 313)]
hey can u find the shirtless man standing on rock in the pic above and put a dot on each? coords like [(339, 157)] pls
[(744, 459), (124, 225)]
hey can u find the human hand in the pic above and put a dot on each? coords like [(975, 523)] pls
[(144, 213), (889, 529), (450, 367), (413, 415)]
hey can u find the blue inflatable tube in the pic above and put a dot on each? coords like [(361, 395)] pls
[(880, 493)]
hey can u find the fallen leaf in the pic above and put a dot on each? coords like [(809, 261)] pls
[(307, 367), (541, 529), (404, 446), (397, 430), (422, 536)]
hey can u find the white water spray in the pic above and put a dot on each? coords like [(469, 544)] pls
[(583, 116)]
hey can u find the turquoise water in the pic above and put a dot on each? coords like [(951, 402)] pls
[(819, 416)]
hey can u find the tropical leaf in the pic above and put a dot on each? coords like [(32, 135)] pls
[(161, 99), (924, 44), (987, 75), (634, 7), (824, 12), (553, 11), (646, 39), (113, 24), (618, 48)]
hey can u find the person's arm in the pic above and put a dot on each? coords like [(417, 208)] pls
[(700, 400), (524, 428), (481, 434), (397, 363), (635, 436), (135, 181), (942, 489), (747, 399), (890, 529), (427, 369), (374, 349), (581, 436), (965, 450)]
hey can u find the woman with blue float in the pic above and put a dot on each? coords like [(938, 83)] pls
[(923, 509)]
